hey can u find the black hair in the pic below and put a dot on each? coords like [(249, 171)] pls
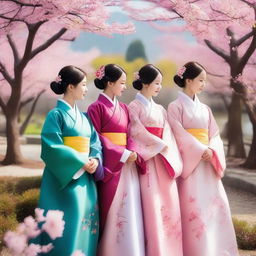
[(112, 73), (192, 69), (146, 75), (67, 75)]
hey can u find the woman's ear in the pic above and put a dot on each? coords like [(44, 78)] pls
[(188, 81), (70, 87), (110, 84)]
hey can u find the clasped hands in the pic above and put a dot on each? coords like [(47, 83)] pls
[(91, 165)]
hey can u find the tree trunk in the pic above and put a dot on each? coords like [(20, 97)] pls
[(250, 162), (234, 128), (13, 152)]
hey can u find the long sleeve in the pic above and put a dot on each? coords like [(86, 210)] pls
[(190, 148), (96, 151), (112, 165), (61, 160), (218, 161)]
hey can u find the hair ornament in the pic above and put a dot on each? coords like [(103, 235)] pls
[(58, 79), (100, 72), (136, 75), (181, 71)]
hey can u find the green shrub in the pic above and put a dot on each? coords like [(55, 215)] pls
[(7, 223), (27, 204), (7, 204), (7, 184), (245, 234), (27, 183), (18, 185)]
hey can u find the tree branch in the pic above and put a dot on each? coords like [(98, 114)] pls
[(2, 105), (5, 74), (249, 52), (32, 28), (218, 51), (47, 43), (14, 49), (244, 38), (26, 121), (22, 3)]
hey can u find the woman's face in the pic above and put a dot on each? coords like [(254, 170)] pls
[(119, 86), (154, 87), (78, 92), (197, 84)]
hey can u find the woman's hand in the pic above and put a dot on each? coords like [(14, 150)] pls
[(132, 157), (207, 155), (91, 166)]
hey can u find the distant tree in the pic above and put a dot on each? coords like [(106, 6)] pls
[(135, 51)]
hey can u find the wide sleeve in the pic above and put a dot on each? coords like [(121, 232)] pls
[(111, 153), (147, 144), (96, 151), (61, 160), (190, 148), (132, 146), (218, 161)]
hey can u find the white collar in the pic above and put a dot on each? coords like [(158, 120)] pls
[(112, 101), (73, 108), (140, 97), (185, 98)]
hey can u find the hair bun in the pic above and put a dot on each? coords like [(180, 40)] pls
[(57, 87), (99, 83), (137, 84), (179, 81)]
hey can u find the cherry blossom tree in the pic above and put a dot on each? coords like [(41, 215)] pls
[(40, 24), (228, 29)]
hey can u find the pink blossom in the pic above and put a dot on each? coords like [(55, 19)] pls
[(31, 227), (78, 253), (39, 214), (32, 250), (58, 79), (100, 72), (181, 71), (46, 248), (54, 224), (15, 242), (136, 76)]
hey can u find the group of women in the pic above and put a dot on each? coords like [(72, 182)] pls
[(135, 180)]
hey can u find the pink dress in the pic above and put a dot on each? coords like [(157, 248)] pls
[(157, 146), (121, 222), (206, 220)]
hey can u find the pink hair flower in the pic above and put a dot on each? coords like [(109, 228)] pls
[(58, 79), (181, 71), (100, 72), (136, 75)]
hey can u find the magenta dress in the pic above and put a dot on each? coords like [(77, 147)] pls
[(157, 146), (119, 193), (206, 220)]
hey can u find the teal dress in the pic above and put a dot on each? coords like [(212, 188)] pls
[(60, 190)]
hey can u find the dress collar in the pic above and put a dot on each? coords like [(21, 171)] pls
[(109, 99), (187, 100), (140, 97)]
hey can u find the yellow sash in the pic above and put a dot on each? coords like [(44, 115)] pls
[(200, 134), (80, 144), (117, 138)]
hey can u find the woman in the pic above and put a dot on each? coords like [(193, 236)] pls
[(157, 146), (71, 151), (206, 220), (119, 192)]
